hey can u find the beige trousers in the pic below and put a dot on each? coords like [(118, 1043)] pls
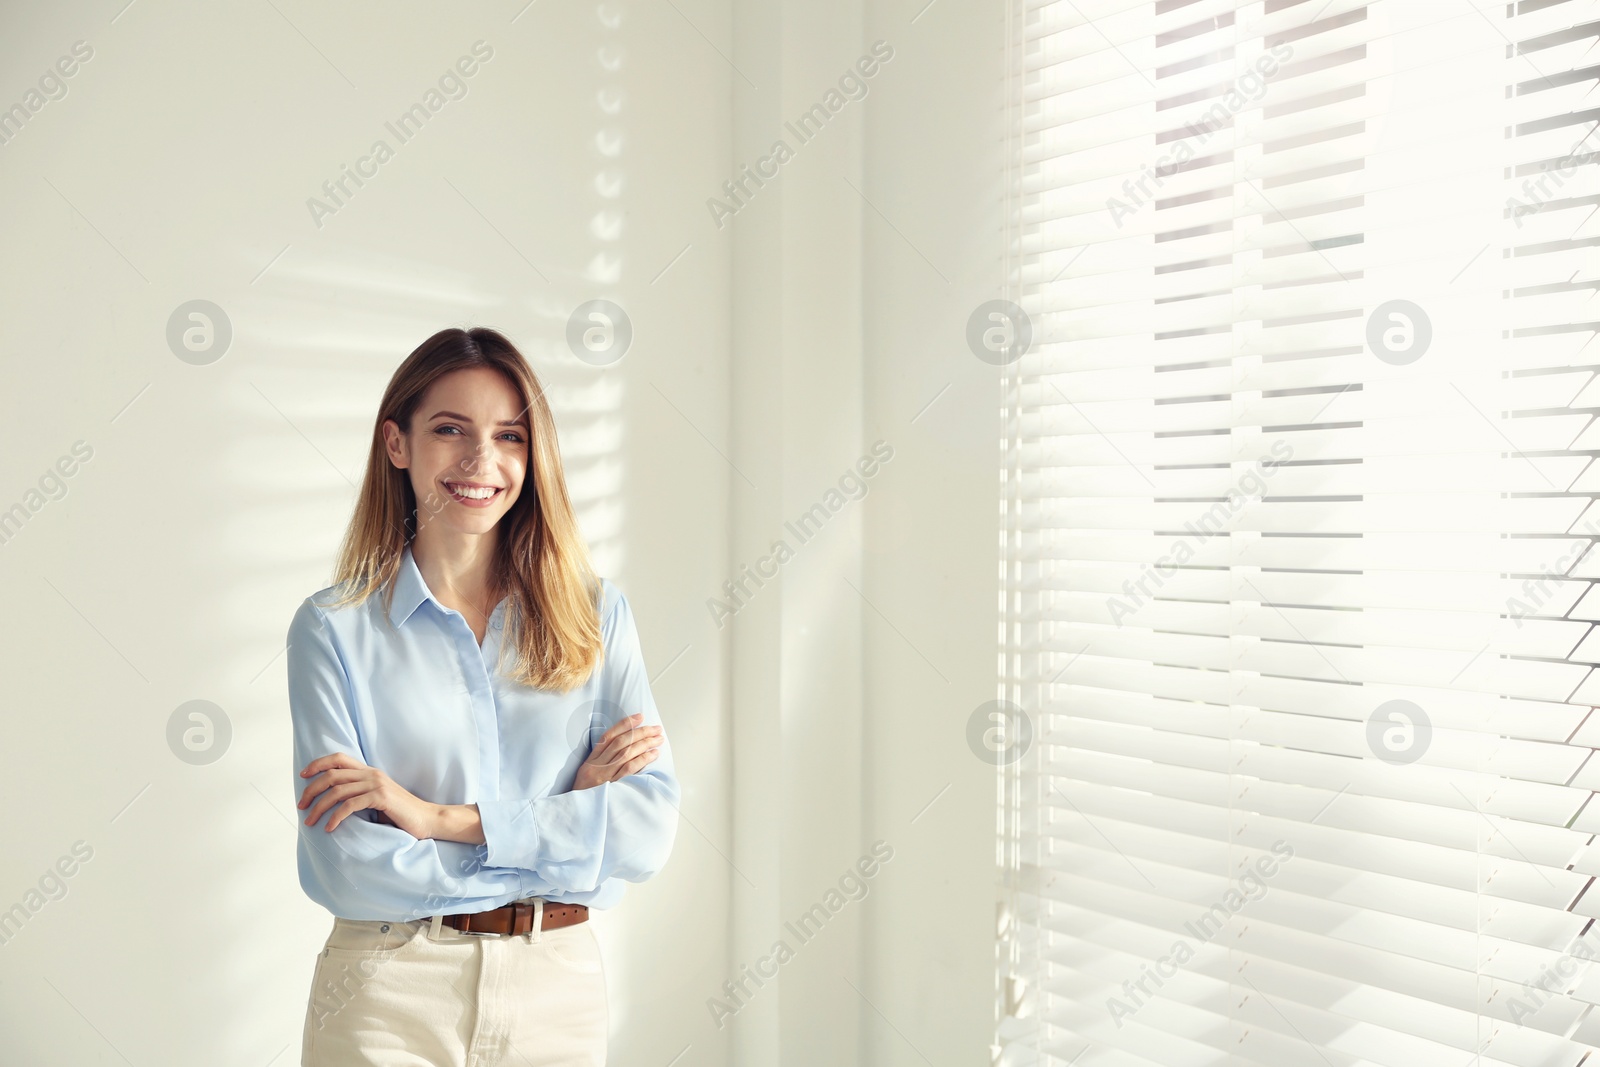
[(408, 994)]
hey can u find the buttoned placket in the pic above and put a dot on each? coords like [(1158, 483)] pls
[(477, 665)]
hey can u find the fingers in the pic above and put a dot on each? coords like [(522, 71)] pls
[(332, 759), (628, 723), (349, 807), (331, 797), (332, 777), (637, 764), (623, 748), (640, 747), (633, 756), (622, 732)]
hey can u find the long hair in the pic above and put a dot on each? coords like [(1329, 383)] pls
[(542, 563)]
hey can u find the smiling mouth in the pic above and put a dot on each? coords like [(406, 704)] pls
[(474, 495)]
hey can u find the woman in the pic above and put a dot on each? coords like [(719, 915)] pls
[(472, 715)]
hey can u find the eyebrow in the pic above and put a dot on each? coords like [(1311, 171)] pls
[(463, 418)]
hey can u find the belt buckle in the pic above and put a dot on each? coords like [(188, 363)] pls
[(518, 907), (479, 933)]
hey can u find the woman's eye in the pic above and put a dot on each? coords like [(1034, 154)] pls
[(455, 431)]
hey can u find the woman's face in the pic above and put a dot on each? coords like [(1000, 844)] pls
[(467, 450)]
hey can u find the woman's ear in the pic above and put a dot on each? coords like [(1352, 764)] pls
[(396, 445)]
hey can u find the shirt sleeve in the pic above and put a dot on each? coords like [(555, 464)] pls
[(366, 869), (577, 840)]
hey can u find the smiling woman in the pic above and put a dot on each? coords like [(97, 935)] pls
[(481, 736), (464, 414)]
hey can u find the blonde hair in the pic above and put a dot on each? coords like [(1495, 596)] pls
[(542, 564)]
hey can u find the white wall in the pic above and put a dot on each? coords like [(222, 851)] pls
[(936, 172), (769, 354)]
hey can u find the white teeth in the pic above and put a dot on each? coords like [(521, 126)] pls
[(471, 493)]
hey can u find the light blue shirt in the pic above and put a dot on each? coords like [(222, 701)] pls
[(411, 692)]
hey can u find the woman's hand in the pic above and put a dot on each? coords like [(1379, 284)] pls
[(347, 779), (621, 750)]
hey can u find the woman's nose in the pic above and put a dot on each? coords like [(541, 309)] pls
[(483, 453)]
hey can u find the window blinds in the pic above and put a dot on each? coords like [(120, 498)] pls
[(1301, 535)]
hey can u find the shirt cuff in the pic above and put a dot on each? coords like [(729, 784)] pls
[(510, 836)]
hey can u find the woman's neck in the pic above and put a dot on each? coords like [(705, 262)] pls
[(459, 571)]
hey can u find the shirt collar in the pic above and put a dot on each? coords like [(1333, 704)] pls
[(409, 590)]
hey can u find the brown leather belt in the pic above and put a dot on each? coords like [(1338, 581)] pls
[(517, 918)]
